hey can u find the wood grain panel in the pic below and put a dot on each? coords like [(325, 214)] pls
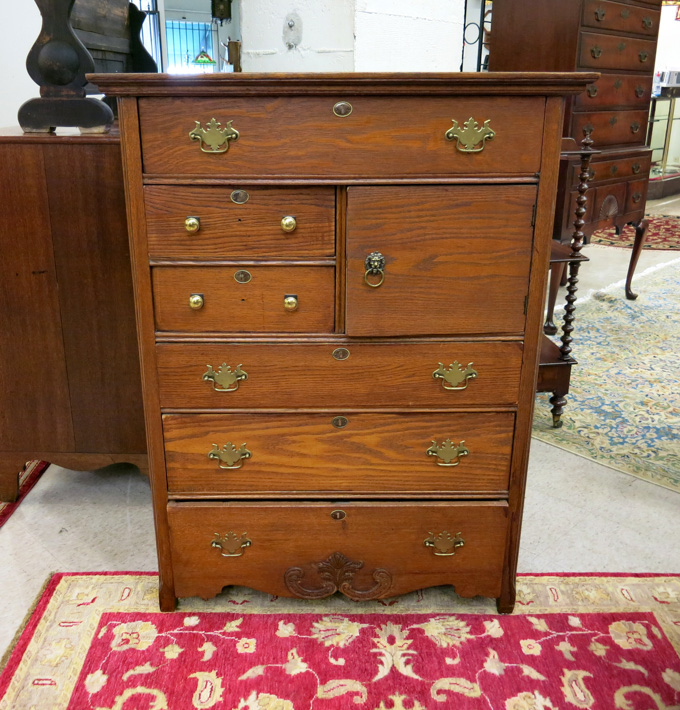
[(380, 453), (636, 195), (300, 136), (92, 256), (229, 230), (387, 536), (35, 409), (604, 170), (612, 127), (621, 17), (457, 259), (256, 306), (378, 374), (616, 91), (599, 51)]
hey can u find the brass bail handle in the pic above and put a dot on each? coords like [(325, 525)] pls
[(375, 266)]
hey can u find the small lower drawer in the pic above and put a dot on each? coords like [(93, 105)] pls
[(249, 299), (311, 550), (637, 195), (326, 454)]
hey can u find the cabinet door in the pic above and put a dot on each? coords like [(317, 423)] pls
[(456, 259)]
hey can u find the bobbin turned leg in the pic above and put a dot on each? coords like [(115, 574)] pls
[(558, 401)]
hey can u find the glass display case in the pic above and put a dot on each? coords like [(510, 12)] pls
[(664, 139)]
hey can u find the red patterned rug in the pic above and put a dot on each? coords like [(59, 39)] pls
[(663, 233), (28, 478), (98, 642)]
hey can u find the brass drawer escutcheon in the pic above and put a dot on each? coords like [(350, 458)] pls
[(215, 137), (229, 457), (592, 91), (444, 544), (647, 23), (470, 138), (225, 379), (449, 453), (338, 515), (375, 266), (192, 224), (343, 109), (600, 14), (644, 55), (340, 422), (454, 377), (625, 13), (340, 354), (243, 276), (230, 544), (636, 168), (196, 301), (637, 196), (239, 197), (639, 91), (596, 52), (634, 127)]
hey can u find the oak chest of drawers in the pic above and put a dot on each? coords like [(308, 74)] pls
[(339, 283), (617, 38)]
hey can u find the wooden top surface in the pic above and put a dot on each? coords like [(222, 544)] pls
[(14, 134), (442, 83)]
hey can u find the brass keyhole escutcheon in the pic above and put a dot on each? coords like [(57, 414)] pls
[(239, 197), (196, 301), (192, 224), (340, 422), (338, 515), (341, 353), (288, 223), (644, 56), (637, 197), (290, 303), (647, 23), (634, 127), (342, 109), (592, 91), (243, 276), (636, 168), (639, 91), (596, 52)]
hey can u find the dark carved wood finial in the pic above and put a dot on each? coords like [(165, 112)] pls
[(337, 574), (58, 62)]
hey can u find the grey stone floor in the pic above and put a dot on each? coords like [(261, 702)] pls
[(579, 516)]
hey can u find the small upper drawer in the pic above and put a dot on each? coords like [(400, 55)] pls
[(238, 221), (616, 91), (611, 127), (367, 136), (621, 18), (600, 51), (232, 299)]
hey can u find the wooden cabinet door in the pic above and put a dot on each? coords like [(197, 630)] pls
[(456, 259)]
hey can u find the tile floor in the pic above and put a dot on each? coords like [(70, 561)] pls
[(579, 516)]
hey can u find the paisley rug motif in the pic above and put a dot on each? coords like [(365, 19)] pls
[(98, 641), (27, 479), (623, 409), (663, 232)]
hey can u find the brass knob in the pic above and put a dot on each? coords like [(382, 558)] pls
[(288, 223), (192, 224), (290, 303), (196, 301)]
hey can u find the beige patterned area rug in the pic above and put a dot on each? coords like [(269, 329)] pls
[(98, 641), (623, 409)]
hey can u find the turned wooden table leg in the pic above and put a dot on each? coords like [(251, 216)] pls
[(559, 402), (557, 273), (640, 234)]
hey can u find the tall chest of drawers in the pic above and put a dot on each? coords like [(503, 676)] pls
[(339, 283), (617, 38)]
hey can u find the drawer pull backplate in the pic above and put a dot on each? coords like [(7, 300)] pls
[(337, 574), (375, 266), (449, 453), (229, 457), (215, 137), (444, 544), (454, 377), (470, 138), (230, 544), (224, 379)]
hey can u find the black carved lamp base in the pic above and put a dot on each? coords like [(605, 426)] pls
[(44, 115)]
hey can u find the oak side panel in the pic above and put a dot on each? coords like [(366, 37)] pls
[(540, 259), (92, 256), (35, 409), (132, 160)]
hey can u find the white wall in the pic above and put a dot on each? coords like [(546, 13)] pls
[(403, 35), (22, 24), (323, 35), (667, 59)]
